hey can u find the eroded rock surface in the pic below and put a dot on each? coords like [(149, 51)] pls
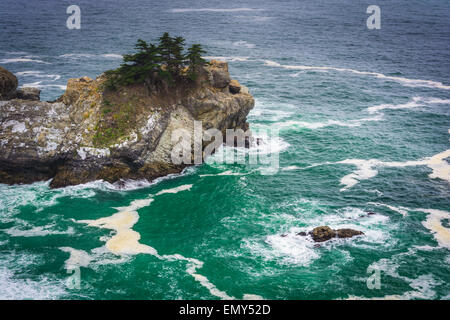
[(89, 134)]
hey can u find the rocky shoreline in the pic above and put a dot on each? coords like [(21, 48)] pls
[(64, 140)]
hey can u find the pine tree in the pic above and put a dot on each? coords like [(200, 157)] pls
[(136, 67), (164, 61), (171, 52), (195, 59)]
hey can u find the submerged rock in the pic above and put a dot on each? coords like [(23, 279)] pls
[(324, 233), (92, 133)]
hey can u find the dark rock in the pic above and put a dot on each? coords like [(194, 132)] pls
[(29, 94), (258, 141), (220, 78), (303, 234), (348, 233), (322, 233), (369, 213), (234, 86), (8, 84)]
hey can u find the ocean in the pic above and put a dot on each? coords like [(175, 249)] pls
[(363, 119)]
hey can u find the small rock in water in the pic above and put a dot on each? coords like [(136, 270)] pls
[(348, 233), (324, 233), (303, 234), (369, 213)]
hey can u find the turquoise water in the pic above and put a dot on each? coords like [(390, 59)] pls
[(363, 119)]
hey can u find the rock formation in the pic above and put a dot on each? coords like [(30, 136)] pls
[(92, 133), (324, 233), (8, 84)]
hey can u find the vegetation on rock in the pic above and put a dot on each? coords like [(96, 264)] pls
[(165, 61), (154, 65)]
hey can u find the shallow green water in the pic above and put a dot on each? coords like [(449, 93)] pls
[(350, 142)]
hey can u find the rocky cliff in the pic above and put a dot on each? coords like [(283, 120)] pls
[(93, 133)]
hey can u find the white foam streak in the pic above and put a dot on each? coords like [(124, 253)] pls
[(182, 10), (414, 103), (434, 224), (175, 190), (126, 240), (40, 231), (228, 59), (39, 84), (16, 60), (366, 169), (90, 55), (317, 125), (39, 74), (404, 81)]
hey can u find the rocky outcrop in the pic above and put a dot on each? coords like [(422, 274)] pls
[(325, 233), (235, 86), (8, 88), (8, 84), (92, 133), (28, 93)]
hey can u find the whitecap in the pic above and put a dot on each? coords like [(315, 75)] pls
[(226, 58), (16, 60), (414, 103), (182, 10), (404, 81), (14, 286), (292, 124), (243, 43), (91, 55), (38, 74), (402, 210), (39, 231), (39, 84)]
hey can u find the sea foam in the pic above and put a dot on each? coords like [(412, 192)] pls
[(404, 81)]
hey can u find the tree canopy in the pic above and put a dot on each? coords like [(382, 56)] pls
[(165, 60)]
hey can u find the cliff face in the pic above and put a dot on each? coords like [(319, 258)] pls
[(91, 133)]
